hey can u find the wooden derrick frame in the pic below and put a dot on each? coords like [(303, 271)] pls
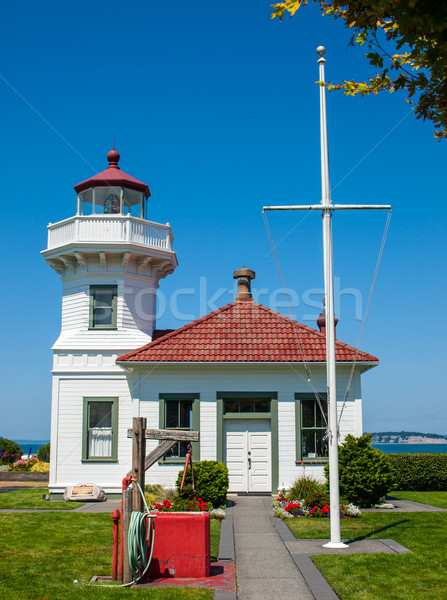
[(140, 464)]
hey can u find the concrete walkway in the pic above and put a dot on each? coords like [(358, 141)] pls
[(270, 562), (265, 568)]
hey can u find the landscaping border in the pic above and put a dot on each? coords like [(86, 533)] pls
[(24, 476)]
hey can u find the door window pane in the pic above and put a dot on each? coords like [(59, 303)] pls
[(246, 405), (262, 405)]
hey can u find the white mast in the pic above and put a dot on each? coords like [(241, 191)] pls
[(332, 430), (327, 207)]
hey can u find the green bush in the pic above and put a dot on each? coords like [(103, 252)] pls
[(365, 473), (421, 472), (10, 451), (312, 491), (42, 451), (211, 479)]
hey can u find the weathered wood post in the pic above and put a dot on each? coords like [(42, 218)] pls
[(127, 511), (138, 459)]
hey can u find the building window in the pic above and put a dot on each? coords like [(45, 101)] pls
[(100, 429), (311, 427), (180, 412), (246, 405), (103, 306)]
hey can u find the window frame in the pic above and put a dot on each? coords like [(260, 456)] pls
[(299, 397), (195, 398), (92, 289), (85, 428)]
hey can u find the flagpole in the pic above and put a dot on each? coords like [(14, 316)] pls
[(332, 429), (327, 208)]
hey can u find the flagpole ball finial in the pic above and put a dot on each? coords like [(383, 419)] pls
[(321, 50)]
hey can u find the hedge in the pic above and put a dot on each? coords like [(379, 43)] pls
[(421, 472)]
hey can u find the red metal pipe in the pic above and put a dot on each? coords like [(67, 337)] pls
[(115, 517), (126, 483)]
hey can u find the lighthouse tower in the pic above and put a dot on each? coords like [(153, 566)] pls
[(110, 258)]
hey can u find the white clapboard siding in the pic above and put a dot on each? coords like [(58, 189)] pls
[(66, 437), (143, 400), (207, 380)]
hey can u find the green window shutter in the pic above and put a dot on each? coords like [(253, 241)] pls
[(171, 416)]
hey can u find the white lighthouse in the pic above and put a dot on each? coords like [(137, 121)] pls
[(111, 259)]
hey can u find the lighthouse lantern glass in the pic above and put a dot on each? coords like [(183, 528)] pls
[(112, 200)]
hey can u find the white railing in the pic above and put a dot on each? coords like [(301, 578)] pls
[(109, 228)]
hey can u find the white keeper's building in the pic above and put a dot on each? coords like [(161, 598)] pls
[(238, 374)]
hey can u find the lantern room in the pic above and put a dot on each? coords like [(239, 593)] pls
[(112, 192)]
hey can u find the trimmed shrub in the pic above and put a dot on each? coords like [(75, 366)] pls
[(312, 491), (365, 473), (211, 479), (421, 472), (44, 450), (10, 451)]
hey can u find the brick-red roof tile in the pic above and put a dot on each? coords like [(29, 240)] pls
[(243, 332)]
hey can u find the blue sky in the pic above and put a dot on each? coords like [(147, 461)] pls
[(215, 107)]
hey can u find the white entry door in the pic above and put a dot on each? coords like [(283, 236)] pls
[(248, 455)]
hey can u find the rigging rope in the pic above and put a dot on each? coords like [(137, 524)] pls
[(297, 331), (365, 317)]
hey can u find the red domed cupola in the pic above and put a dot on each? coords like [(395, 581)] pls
[(112, 192)]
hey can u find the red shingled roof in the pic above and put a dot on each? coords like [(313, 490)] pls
[(242, 332), (113, 176)]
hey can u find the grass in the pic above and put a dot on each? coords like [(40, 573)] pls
[(32, 498), (215, 536), (438, 499), (43, 553), (422, 574)]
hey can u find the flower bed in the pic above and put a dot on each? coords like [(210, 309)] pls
[(24, 464), (192, 505), (290, 509)]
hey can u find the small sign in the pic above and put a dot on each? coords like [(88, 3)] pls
[(311, 455), (82, 490), (85, 492)]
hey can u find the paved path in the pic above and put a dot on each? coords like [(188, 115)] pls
[(265, 568)]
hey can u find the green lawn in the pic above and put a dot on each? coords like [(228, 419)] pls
[(215, 536), (43, 553), (422, 574), (32, 498), (438, 499)]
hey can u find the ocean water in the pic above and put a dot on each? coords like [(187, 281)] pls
[(417, 448), (32, 446)]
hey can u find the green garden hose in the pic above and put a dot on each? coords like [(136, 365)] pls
[(141, 527)]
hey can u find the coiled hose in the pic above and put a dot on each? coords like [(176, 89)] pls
[(141, 528)]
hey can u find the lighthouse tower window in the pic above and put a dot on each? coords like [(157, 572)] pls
[(103, 306)]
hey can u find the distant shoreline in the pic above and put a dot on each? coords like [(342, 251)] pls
[(410, 443)]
